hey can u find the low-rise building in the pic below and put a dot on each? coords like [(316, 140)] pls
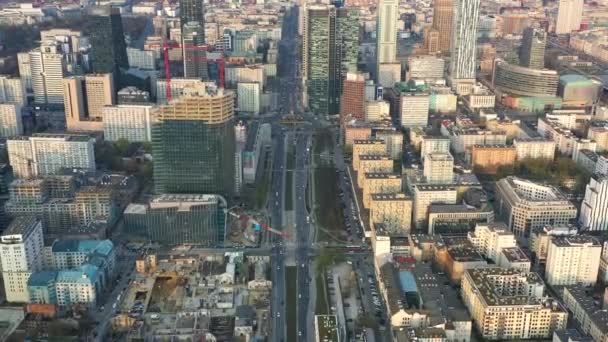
[(509, 304), (455, 255), (592, 319), (515, 258), (489, 158), (534, 148)]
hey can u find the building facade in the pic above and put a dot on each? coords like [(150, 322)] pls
[(130, 122), (594, 209), (439, 168), (11, 123), (572, 260)]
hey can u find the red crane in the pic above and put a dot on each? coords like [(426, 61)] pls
[(166, 48)]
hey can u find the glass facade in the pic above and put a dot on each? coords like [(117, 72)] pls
[(108, 41), (179, 219), (192, 10)]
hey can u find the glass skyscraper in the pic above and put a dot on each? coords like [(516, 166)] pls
[(192, 10), (107, 40), (330, 51), (194, 144)]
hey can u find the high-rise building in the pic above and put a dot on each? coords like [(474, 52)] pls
[(594, 209), (248, 97), (10, 120), (179, 219), (414, 109), (12, 90), (21, 255), (424, 196), (195, 62), (569, 16), (192, 11), (439, 168), (489, 293), (330, 46), (393, 140), (25, 70), (130, 122), (100, 92), (74, 101), (352, 102), (525, 205), (516, 80), (434, 144), (425, 68), (443, 14), (46, 154), (573, 260), (532, 51), (490, 239), (47, 66), (193, 142), (107, 41), (386, 31), (464, 48)]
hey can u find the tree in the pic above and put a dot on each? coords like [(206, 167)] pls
[(122, 145)]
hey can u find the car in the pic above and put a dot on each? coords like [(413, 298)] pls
[(278, 314), (300, 295), (299, 333)]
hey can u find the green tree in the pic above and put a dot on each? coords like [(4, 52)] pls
[(122, 145)]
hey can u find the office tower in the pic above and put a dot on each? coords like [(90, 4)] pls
[(594, 209), (248, 97), (193, 142), (141, 59), (520, 81), (525, 205), (107, 41), (489, 293), (386, 31), (10, 120), (569, 16), (532, 51), (192, 11), (132, 96), (431, 41), (389, 74), (464, 49), (46, 154), (352, 102), (74, 101), (25, 70), (195, 62), (100, 92), (179, 219), (424, 196), (433, 144), (443, 14), (425, 68), (21, 255), (330, 48), (47, 67), (573, 260), (414, 109), (439, 168), (130, 122), (12, 90)]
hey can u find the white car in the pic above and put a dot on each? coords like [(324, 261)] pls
[(278, 314)]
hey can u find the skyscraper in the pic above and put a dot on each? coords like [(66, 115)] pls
[(192, 10), (193, 142), (195, 64), (443, 14), (330, 51), (569, 16), (463, 50), (107, 40), (47, 67), (594, 209), (386, 31), (532, 52)]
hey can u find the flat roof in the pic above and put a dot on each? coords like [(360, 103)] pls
[(515, 254), (590, 305), (391, 197), (575, 241)]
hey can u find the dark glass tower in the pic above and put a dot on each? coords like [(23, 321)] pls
[(192, 10), (194, 144), (107, 41)]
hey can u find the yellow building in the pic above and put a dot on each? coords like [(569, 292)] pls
[(373, 163), (488, 158), (394, 210), (507, 304), (380, 182), (367, 147), (352, 133)]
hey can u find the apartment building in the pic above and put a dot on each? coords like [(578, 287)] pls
[(380, 182), (534, 148), (394, 210), (490, 239), (573, 260), (424, 196), (489, 158), (373, 163), (367, 147), (439, 168), (587, 311)]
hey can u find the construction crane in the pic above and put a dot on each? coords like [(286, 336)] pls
[(257, 225)]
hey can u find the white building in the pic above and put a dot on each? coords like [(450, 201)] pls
[(439, 168), (12, 90), (177, 88), (386, 31), (389, 74), (47, 65), (25, 70), (414, 110), (572, 260), (248, 97), (463, 50), (541, 237), (377, 111), (532, 148), (594, 209), (46, 154), (569, 16), (131, 122), (425, 195), (434, 144), (21, 255), (142, 59), (490, 239), (10, 120), (425, 67)]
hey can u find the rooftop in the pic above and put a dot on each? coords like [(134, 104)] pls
[(590, 305), (375, 157), (575, 241), (103, 247), (391, 197), (23, 225), (515, 254), (382, 175)]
